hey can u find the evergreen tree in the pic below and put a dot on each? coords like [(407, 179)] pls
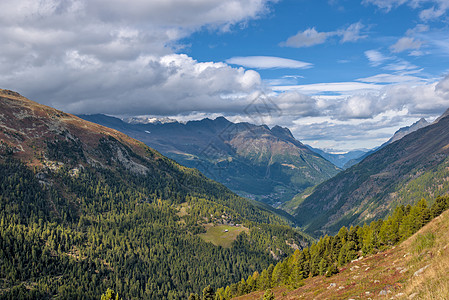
[(268, 295), (208, 293)]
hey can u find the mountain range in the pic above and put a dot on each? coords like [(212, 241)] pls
[(257, 162)]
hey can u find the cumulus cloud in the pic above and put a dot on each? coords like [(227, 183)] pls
[(117, 56), (169, 84), (298, 104), (311, 36), (442, 88), (268, 62), (370, 110)]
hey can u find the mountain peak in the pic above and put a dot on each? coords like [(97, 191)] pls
[(10, 93), (282, 131), (222, 120), (445, 114), (407, 130)]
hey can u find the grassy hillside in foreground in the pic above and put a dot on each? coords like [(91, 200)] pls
[(415, 269)]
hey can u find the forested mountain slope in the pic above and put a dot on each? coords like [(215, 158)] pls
[(416, 268), (403, 172), (85, 208), (269, 165)]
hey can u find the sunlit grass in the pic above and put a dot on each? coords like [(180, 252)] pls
[(222, 235)]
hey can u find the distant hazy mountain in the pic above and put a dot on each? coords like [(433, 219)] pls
[(266, 164), (339, 159), (397, 136), (402, 172), (148, 120)]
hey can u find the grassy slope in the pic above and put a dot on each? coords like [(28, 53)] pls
[(417, 268), (218, 235)]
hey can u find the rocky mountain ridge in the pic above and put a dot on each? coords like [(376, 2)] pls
[(255, 161)]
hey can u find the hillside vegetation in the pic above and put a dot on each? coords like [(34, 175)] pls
[(344, 253), (85, 208), (414, 269)]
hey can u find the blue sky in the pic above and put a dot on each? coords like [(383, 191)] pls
[(332, 59), (341, 74)]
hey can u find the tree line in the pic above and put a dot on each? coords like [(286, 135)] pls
[(330, 253)]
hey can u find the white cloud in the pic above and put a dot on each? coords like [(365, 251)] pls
[(117, 56), (297, 103), (331, 90), (406, 43), (442, 88), (170, 84), (375, 57), (391, 79), (418, 29), (359, 114), (434, 12), (385, 4), (311, 36), (402, 66), (268, 62), (182, 14), (352, 33), (307, 38), (438, 9), (359, 106)]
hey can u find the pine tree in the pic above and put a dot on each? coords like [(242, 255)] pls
[(109, 295), (208, 293), (268, 295)]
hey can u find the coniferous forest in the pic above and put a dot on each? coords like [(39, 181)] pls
[(330, 253), (71, 230)]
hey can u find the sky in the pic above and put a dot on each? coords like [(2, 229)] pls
[(340, 74)]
